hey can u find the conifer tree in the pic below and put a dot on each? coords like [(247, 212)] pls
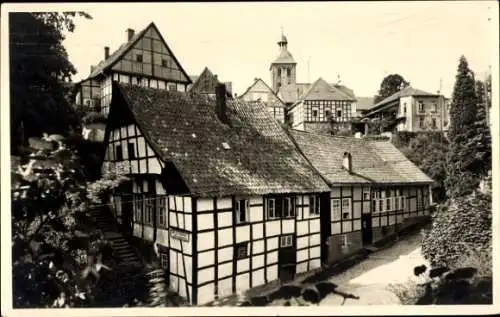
[(469, 157)]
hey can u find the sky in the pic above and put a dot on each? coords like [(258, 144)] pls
[(358, 42)]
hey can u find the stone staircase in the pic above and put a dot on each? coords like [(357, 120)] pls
[(123, 252)]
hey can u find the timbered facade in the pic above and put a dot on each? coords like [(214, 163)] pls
[(144, 60), (322, 106), (375, 191), (219, 190)]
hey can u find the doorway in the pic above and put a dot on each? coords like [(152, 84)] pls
[(287, 258), (366, 223)]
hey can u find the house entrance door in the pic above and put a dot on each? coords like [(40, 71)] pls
[(366, 222), (287, 258)]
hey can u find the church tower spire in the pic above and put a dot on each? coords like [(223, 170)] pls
[(283, 67)]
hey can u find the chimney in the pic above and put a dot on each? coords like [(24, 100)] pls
[(106, 52), (92, 67), (220, 106), (130, 34), (347, 162)]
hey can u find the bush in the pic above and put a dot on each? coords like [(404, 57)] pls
[(94, 117), (463, 225)]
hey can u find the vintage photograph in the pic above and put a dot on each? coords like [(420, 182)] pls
[(249, 154)]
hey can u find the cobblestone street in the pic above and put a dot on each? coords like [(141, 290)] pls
[(369, 279)]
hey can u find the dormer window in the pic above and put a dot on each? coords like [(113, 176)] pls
[(138, 58)]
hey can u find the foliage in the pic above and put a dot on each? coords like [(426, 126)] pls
[(91, 154), (469, 156), (53, 240), (390, 85), (114, 175), (408, 293), (428, 152), (464, 223), (94, 117), (39, 66)]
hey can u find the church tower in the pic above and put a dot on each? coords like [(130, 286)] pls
[(283, 68)]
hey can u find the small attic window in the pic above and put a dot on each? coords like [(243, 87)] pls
[(138, 58), (225, 146), (164, 62)]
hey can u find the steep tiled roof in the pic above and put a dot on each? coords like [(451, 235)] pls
[(258, 157), (349, 92), (372, 161), (321, 90)]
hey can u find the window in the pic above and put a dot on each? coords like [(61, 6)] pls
[(119, 153), (327, 114), (242, 208), (137, 208), (339, 113), (374, 206), (271, 208), (149, 210), (404, 108), (172, 87), (396, 203), (434, 123), (315, 113), (402, 203), (435, 108), (288, 72), (421, 122), (286, 241), (162, 211), (131, 150), (163, 260), (138, 58), (279, 207), (420, 106), (335, 209), (241, 250), (164, 62), (279, 71), (314, 205), (366, 196), (346, 208)]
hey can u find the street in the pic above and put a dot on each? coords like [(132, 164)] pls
[(369, 280)]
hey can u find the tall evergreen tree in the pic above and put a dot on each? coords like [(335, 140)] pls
[(469, 157)]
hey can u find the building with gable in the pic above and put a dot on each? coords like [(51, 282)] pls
[(206, 83), (375, 191), (284, 85), (217, 185), (260, 92), (144, 60), (413, 110)]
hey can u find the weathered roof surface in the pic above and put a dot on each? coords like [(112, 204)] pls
[(377, 162), (206, 83), (124, 48), (185, 130), (349, 92), (321, 90)]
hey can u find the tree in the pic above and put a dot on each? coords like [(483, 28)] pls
[(39, 66), (429, 154), (469, 157), (53, 239), (390, 85)]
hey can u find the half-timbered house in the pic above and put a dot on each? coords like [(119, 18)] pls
[(375, 190), (322, 108), (144, 60), (218, 186)]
